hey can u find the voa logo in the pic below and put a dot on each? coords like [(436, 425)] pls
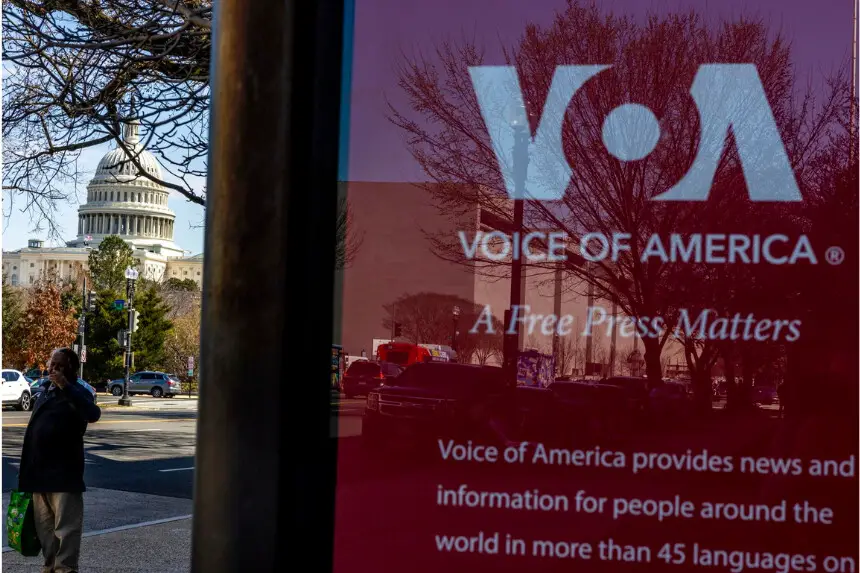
[(726, 95)]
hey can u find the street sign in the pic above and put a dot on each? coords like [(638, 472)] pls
[(190, 372), (191, 363), (82, 324), (76, 348), (131, 273), (119, 304), (83, 354)]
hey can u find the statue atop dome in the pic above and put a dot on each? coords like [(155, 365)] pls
[(131, 128)]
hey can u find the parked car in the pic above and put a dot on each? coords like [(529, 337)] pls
[(765, 395), (35, 374), (158, 384), (671, 398), (362, 377), (635, 390), (38, 386), (584, 411), (436, 399), (16, 390)]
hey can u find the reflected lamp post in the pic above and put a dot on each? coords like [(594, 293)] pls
[(520, 169), (455, 319)]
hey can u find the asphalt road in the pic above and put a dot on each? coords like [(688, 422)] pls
[(146, 450)]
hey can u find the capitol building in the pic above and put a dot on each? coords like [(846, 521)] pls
[(120, 201)]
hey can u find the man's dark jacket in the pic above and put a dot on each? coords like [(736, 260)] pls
[(52, 459)]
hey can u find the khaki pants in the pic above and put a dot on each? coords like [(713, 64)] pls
[(59, 524)]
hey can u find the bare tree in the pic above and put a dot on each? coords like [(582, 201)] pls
[(653, 64), (565, 355), (487, 347), (71, 70), (75, 71), (429, 318)]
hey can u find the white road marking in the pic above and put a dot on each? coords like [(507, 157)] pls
[(125, 527), (177, 469)]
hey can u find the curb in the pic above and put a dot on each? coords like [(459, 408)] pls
[(6, 548)]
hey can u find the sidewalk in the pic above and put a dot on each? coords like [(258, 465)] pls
[(125, 532), (146, 403), (156, 548)]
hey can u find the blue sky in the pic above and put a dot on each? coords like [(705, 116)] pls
[(18, 227)]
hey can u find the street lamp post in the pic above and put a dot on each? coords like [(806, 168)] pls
[(521, 162), (131, 275), (455, 319)]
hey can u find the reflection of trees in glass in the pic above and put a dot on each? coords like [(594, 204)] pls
[(569, 354), (653, 64), (428, 318)]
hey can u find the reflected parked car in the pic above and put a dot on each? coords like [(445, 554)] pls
[(584, 411), (362, 377), (436, 399), (765, 395), (635, 391), (670, 399)]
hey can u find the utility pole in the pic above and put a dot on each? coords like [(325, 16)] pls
[(589, 350), (130, 276), (556, 308), (853, 109), (82, 327), (511, 347), (612, 346)]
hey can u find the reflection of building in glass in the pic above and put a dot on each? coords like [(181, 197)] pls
[(119, 202), (396, 221)]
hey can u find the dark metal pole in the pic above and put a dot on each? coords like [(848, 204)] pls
[(521, 158), (589, 340), (129, 287), (83, 326), (556, 309), (264, 475), (612, 345)]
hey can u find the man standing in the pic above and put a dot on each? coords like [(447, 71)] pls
[(52, 462)]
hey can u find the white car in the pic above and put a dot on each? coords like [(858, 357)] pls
[(16, 390)]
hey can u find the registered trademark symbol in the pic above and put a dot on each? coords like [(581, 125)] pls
[(834, 255)]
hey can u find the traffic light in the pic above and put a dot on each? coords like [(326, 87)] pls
[(92, 297), (397, 330), (132, 320)]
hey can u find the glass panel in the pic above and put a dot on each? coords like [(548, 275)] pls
[(630, 198)]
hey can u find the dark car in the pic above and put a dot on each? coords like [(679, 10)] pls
[(765, 395), (635, 391), (364, 376), (37, 387), (438, 399), (585, 411)]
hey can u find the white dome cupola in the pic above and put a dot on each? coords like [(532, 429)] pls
[(124, 200)]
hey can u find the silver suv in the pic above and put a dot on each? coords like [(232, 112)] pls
[(156, 383)]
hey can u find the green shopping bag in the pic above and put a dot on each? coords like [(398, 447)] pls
[(21, 524)]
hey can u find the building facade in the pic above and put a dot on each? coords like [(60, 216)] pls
[(123, 199), (396, 222)]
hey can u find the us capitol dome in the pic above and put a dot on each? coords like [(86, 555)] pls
[(120, 201)]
